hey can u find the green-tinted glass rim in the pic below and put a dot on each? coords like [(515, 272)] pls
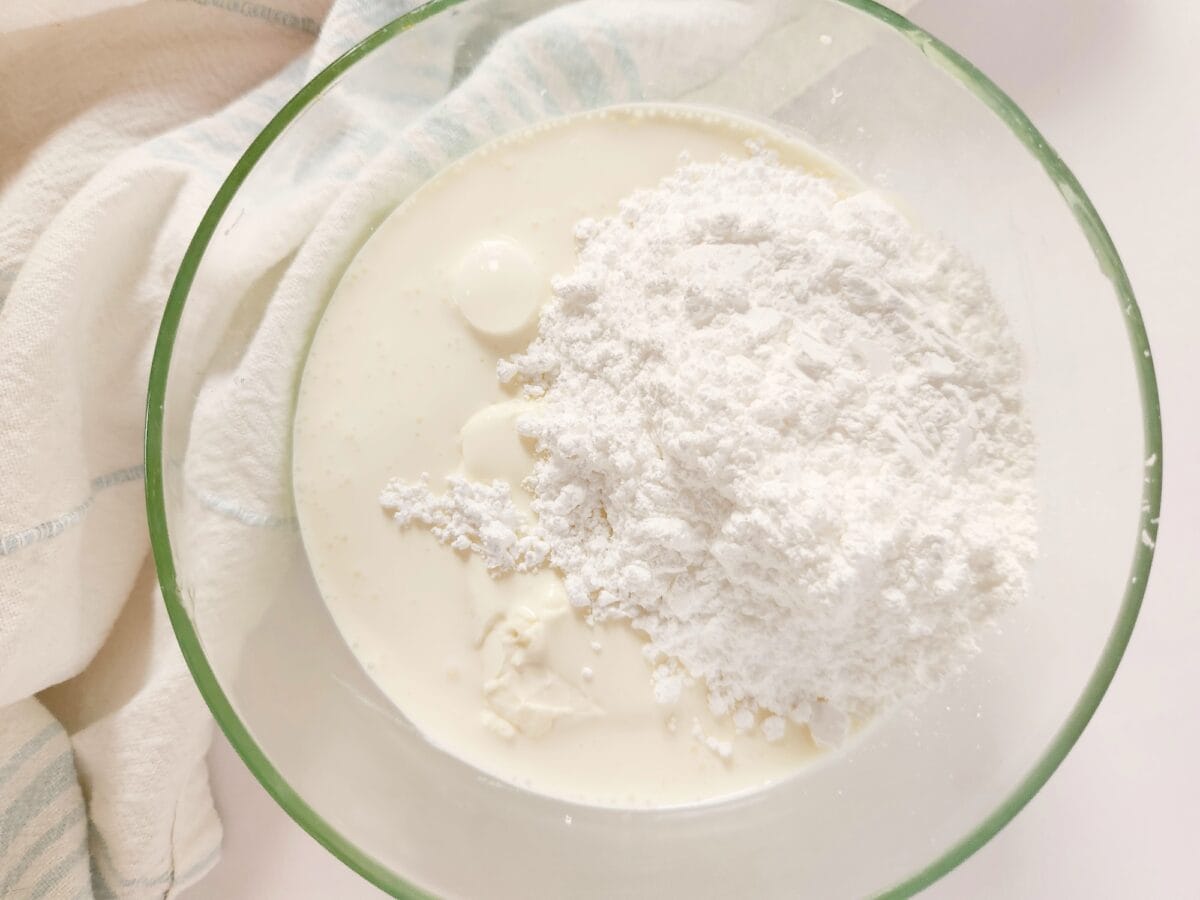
[(1093, 228)]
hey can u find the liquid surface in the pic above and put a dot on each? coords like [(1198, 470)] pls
[(401, 381)]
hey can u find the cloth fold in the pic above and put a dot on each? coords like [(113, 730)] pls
[(103, 786), (118, 121)]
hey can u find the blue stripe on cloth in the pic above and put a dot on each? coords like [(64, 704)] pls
[(200, 865), (8, 277), (573, 58), (535, 79), (26, 750), (56, 777), (232, 510), (266, 13), (486, 110), (52, 876), (516, 100), (102, 859), (121, 476), (11, 543), (72, 816), (452, 137), (625, 62)]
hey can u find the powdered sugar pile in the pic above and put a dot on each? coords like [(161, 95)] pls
[(781, 433)]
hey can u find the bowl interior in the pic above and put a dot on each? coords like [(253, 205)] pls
[(919, 789)]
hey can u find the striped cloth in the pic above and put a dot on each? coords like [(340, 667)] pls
[(116, 127), (43, 828), (112, 146)]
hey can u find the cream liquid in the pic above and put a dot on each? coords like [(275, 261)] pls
[(401, 380)]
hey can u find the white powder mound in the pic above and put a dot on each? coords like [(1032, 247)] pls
[(781, 432)]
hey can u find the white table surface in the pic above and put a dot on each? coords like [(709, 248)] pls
[(1115, 86)]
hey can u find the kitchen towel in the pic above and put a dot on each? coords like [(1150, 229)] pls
[(103, 787), (117, 124)]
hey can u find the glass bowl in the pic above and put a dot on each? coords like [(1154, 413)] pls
[(920, 789)]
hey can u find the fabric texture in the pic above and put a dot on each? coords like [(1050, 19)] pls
[(118, 121)]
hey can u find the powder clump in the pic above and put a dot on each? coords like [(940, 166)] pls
[(780, 432)]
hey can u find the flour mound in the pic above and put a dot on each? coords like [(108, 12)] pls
[(781, 433)]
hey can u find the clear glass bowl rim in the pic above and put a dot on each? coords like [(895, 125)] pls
[(1023, 129)]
